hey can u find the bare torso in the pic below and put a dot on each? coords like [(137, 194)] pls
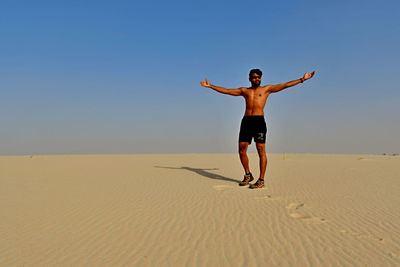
[(255, 100)]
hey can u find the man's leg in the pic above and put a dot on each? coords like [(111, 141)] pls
[(263, 159), (248, 177), (243, 156)]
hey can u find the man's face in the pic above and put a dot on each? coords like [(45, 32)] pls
[(255, 79)]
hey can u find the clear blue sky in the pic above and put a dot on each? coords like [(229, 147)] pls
[(123, 76)]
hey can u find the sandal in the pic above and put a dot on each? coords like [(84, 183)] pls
[(247, 179), (258, 184)]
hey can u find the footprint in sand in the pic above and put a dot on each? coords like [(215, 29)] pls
[(222, 187), (294, 206), (392, 255), (307, 219), (269, 197), (303, 217), (361, 235)]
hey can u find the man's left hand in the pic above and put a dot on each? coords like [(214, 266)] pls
[(308, 75)]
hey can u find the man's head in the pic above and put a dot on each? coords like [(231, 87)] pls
[(255, 77)]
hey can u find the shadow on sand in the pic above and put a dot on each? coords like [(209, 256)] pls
[(202, 172)]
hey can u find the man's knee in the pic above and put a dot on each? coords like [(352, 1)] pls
[(243, 148), (260, 147)]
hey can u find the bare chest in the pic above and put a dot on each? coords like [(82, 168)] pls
[(256, 95)]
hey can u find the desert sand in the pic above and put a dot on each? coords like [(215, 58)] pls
[(188, 210)]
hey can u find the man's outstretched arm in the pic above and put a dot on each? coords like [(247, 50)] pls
[(234, 92), (280, 87)]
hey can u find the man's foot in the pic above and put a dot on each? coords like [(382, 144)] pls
[(258, 184), (247, 179)]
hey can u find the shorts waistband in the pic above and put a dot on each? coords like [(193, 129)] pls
[(254, 117)]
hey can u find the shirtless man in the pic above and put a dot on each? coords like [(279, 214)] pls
[(253, 123)]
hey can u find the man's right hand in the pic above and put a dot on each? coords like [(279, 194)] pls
[(205, 83)]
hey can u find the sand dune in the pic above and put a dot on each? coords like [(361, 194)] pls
[(187, 210)]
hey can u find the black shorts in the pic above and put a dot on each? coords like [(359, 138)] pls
[(253, 127)]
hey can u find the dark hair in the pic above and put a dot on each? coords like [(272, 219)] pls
[(256, 71)]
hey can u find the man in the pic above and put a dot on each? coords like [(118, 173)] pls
[(253, 123)]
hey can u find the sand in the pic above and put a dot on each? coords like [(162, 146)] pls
[(187, 210)]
